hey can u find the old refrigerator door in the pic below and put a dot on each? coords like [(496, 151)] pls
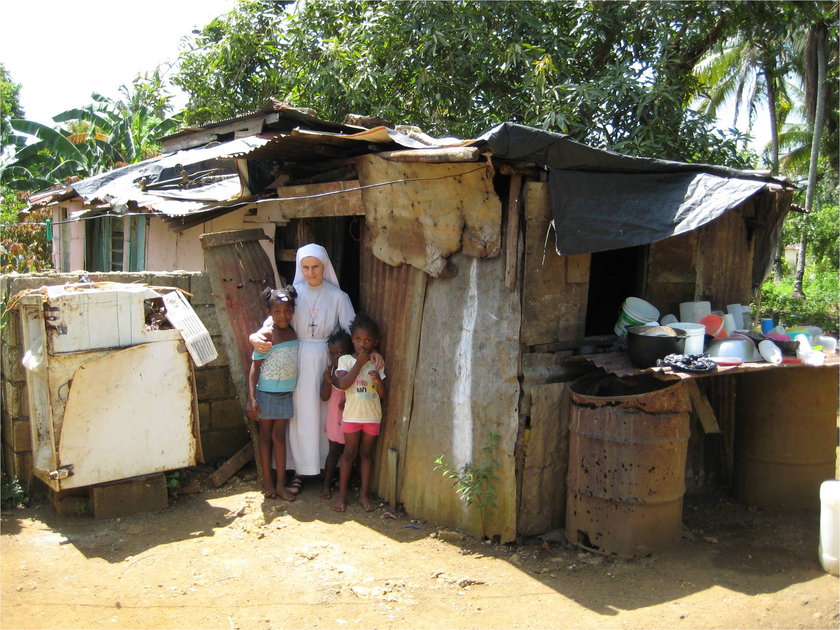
[(129, 413)]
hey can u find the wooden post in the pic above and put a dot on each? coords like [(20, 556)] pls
[(512, 231)]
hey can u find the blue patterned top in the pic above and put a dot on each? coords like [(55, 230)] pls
[(279, 369)]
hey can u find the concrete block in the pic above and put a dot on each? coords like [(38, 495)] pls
[(207, 314), (226, 413), (212, 384), (14, 399), (204, 417), (10, 333), (20, 435), (121, 498), (176, 279), (75, 502), (201, 291), (10, 363), (222, 359), (223, 443)]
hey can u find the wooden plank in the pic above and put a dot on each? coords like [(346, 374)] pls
[(543, 498), (553, 309), (229, 468), (327, 199), (577, 268), (391, 461), (230, 237), (512, 231), (444, 154), (702, 407), (239, 270), (469, 389)]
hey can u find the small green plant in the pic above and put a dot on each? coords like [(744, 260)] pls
[(13, 493), (81, 508), (475, 482), (173, 482)]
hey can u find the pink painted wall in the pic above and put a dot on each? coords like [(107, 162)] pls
[(166, 250)]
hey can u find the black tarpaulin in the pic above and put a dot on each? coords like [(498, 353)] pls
[(602, 200)]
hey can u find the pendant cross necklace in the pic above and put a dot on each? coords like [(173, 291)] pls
[(313, 308)]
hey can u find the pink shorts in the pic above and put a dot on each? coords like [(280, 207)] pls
[(371, 428)]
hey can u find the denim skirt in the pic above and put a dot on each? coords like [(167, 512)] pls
[(275, 405)]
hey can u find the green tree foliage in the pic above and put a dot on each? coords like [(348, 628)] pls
[(610, 74), (9, 108)]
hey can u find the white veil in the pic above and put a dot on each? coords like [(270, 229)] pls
[(321, 254)]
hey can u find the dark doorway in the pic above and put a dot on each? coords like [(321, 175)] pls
[(340, 236), (613, 276)]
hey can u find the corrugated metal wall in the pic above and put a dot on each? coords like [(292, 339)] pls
[(467, 389), (394, 297)]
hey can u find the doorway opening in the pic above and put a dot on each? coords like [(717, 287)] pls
[(614, 275), (340, 236)]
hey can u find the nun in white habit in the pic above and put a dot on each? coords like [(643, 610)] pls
[(321, 308)]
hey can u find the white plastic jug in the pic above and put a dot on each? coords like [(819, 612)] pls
[(830, 526)]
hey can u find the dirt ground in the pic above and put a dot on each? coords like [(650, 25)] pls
[(230, 559)]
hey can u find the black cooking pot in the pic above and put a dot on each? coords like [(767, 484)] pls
[(645, 350)]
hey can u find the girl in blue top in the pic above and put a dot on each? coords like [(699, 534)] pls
[(271, 381)]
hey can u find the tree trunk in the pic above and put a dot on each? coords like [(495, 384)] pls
[(777, 261), (766, 70), (821, 36)]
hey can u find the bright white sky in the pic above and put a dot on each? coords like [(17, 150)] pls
[(60, 52)]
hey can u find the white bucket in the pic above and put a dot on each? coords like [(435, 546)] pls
[(694, 311), (695, 339), (634, 312), (830, 526)]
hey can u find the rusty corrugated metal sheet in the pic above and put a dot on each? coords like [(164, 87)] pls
[(394, 297), (466, 399), (239, 270)]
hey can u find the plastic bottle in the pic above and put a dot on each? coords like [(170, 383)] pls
[(830, 526)]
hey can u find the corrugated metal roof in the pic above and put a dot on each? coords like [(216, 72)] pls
[(174, 184)]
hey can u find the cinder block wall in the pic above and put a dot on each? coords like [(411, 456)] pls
[(223, 431)]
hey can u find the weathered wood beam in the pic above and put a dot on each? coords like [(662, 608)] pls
[(445, 154), (329, 199), (702, 407), (512, 231)]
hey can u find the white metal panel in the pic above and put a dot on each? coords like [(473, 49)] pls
[(35, 361), (90, 318), (129, 413)]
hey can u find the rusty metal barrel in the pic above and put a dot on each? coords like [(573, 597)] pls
[(627, 449), (785, 436)]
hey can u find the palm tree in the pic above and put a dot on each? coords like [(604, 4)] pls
[(816, 55), (91, 139)]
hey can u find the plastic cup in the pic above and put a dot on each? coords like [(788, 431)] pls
[(737, 312), (729, 324), (767, 324), (828, 343)]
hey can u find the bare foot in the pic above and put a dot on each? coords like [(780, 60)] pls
[(269, 493), (284, 494), (326, 492), (340, 505), (367, 504)]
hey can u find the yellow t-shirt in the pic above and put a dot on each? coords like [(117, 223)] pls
[(362, 400)]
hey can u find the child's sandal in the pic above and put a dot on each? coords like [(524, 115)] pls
[(295, 486)]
